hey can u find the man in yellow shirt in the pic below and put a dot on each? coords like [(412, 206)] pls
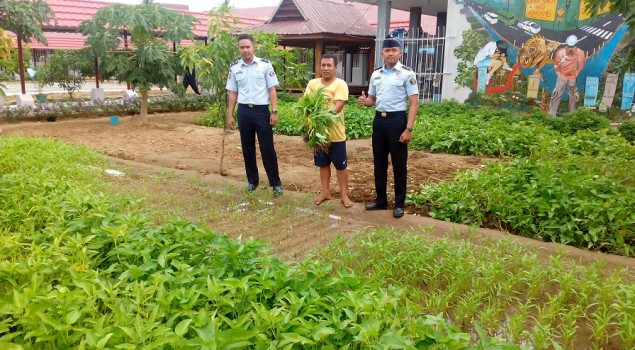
[(336, 92)]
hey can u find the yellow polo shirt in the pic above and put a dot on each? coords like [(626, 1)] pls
[(337, 90)]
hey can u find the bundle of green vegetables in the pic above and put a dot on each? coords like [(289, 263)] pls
[(318, 118)]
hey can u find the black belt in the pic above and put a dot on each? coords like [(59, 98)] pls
[(389, 114), (251, 105)]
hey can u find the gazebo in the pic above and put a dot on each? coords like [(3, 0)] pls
[(327, 27)]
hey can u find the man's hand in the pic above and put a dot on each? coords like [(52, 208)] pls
[(405, 136), (231, 123), (362, 99), (273, 119)]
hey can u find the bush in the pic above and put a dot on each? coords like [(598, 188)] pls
[(627, 130), (584, 119)]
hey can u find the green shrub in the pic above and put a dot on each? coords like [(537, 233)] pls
[(584, 119), (546, 199), (82, 269), (627, 130), (213, 117)]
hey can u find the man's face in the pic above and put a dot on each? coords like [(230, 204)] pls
[(570, 50), (246, 48), (328, 68), (391, 55)]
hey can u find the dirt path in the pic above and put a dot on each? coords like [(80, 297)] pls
[(173, 141)]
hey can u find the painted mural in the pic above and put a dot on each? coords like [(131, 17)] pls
[(556, 43)]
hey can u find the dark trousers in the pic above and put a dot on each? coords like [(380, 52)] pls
[(386, 133), (189, 80), (252, 122)]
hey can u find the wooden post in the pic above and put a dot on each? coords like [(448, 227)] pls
[(96, 73), (174, 50), (319, 51), (21, 64), (125, 45)]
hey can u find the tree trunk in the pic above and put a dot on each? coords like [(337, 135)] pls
[(21, 65), (143, 113)]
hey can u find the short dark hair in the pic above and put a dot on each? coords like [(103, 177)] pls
[(501, 45), (330, 55), (246, 36)]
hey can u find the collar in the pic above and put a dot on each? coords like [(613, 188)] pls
[(398, 67), (256, 60)]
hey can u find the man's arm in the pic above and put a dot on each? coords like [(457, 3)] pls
[(273, 99), (232, 97), (406, 135), (339, 106)]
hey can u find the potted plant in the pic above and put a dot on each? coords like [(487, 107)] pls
[(39, 81)]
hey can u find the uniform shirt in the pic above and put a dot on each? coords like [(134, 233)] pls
[(252, 81), (487, 51), (569, 64), (337, 90), (392, 87)]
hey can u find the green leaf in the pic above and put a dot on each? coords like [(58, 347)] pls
[(72, 317), (182, 327)]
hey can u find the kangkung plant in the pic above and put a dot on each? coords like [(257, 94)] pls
[(313, 107)]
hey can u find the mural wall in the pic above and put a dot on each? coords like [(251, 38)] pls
[(553, 45)]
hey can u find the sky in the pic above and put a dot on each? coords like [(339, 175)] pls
[(204, 5)]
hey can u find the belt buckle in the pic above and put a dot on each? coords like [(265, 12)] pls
[(384, 114), (250, 105)]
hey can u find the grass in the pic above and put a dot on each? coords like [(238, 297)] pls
[(507, 289), (501, 287)]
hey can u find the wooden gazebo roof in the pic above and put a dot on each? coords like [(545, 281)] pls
[(302, 22)]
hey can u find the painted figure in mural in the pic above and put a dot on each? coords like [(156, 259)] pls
[(568, 62), (536, 52), (493, 56), (336, 92), (391, 86), (252, 84)]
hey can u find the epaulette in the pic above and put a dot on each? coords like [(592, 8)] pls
[(264, 60), (380, 67), (406, 68), (235, 63)]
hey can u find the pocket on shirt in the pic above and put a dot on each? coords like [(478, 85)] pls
[(241, 79), (396, 83)]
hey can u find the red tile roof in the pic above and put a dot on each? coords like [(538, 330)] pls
[(70, 13)]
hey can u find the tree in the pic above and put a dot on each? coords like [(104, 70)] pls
[(212, 61), (25, 19), (465, 53), (67, 69), (626, 8), (148, 59)]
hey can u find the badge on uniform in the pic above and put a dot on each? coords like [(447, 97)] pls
[(229, 76), (399, 73), (258, 69), (413, 80)]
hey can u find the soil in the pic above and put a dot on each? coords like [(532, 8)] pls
[(174, 142)]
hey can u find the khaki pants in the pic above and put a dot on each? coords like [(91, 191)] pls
[(572, 88)]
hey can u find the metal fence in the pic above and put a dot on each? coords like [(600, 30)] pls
[(424, 53)]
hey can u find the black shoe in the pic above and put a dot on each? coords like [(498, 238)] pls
[(375, 206), (277, 191), (397, 212), (251, 187)]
